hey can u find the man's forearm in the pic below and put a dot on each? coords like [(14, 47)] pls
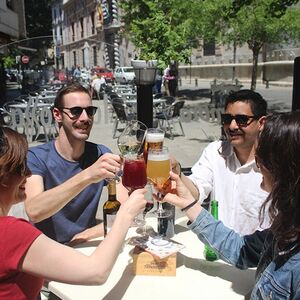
[(46, 203)]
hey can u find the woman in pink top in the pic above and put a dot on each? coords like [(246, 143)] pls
[(26, 255)]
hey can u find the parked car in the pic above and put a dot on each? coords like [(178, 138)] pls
[(124, 75), (104, 72)]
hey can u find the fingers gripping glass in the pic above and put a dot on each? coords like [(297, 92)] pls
[(241, 120), (76, 111)]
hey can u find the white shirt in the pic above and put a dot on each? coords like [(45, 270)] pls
[(235, 187), (97, 82)]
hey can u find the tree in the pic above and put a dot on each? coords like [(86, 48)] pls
[(255, 22), (160, 30), (38, 20)]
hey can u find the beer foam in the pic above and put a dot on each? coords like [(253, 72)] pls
[(154, 137), (158, 156)]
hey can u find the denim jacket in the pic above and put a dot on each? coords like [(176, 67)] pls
[(278, 274)]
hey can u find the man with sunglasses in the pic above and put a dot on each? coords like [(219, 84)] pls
[(68, 173), (227, 171)]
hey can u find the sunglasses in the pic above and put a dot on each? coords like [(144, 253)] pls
[(241, 120), (76, 111)]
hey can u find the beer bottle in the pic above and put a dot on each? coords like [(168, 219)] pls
[(110, 207), (209, 254)]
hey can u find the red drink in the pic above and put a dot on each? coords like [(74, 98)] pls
[(134, 174)]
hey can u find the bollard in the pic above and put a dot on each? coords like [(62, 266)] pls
[(267, 84), (196, 81), (179, 82)]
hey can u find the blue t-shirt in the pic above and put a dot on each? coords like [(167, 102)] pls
[(80, 213)]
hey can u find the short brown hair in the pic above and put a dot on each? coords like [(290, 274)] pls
[(13, 151), (71, 88)]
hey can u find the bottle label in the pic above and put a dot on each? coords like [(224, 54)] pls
[(110, 221)]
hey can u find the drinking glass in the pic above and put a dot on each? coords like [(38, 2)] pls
[(154, 140), (131, 140), (158, 169), (134, 175)]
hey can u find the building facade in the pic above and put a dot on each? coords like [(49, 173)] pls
[(87, 34), (12, 22)]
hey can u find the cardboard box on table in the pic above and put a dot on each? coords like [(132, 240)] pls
[(144, 263)]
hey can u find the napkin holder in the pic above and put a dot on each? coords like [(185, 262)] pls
[(144, 263)]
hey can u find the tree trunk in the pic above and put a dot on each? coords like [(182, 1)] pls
[(234, 61), (255, 51)]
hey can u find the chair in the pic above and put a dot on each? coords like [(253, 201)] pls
[(168, 117), (47, 122), (122, 116), (169, 99)]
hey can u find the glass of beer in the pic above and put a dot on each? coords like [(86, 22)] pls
[(158, 169), (154, 140)]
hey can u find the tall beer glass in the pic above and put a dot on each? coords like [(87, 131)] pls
[(158, 169), (154, 140)]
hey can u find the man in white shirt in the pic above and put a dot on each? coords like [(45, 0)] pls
[(98, 84), (226, 169)]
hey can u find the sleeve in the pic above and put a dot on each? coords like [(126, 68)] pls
[(242, 252), (103, 149), (202, 174), (34, 163), (18, 236)]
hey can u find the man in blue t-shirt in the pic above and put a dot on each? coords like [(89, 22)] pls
[(68, 173)]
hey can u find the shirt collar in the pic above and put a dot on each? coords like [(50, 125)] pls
[(226, 151)]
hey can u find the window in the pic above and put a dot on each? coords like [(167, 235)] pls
[(74, 58), (93, 22), (9, 4), (209, 48), (83, 57), (81, 27), (95, 56), (73, 32)]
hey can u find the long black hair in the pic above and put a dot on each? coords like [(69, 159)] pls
[(278, 151)]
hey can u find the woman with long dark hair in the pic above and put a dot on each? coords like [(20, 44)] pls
[(28, 256), (274, 251)]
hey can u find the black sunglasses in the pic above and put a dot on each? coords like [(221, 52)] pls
[(76, 111), (241, 120)]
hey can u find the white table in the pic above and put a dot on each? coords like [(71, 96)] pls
[(23, 106), (195, 277)]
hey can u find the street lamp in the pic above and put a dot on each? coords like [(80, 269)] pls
[(145, 72)]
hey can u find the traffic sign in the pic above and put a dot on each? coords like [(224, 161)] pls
[(25, 59)]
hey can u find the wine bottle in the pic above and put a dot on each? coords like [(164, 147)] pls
[(209, 254), (110, 207)]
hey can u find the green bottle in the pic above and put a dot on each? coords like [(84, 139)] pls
[(209, 254)]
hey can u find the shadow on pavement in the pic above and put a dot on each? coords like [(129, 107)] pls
[(194, 94)]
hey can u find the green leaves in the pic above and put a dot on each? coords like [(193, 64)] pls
[(162, 30)]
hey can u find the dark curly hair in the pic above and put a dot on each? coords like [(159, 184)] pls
[(257, 103), (278, 151), (13, 151)]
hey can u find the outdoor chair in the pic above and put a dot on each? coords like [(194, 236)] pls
[(169, 99), (169, 116), (122, 115), (47, 123)]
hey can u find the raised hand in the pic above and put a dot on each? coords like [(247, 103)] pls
[(106, 167)]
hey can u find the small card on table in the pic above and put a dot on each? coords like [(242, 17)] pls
[(153, 259)]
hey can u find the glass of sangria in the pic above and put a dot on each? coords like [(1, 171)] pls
[(134, 176)]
